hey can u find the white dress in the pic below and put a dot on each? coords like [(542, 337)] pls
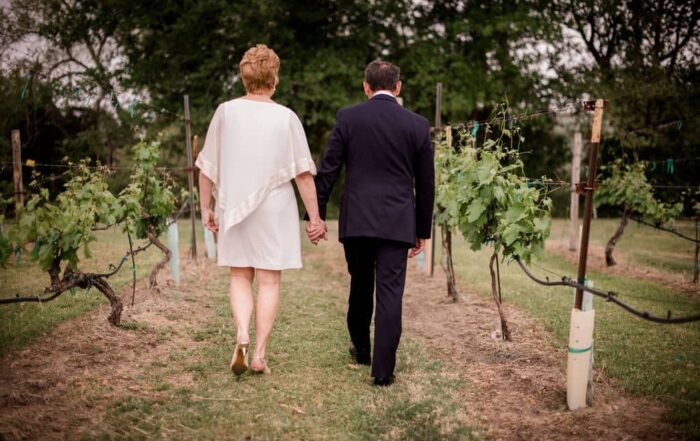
[(252, 151)]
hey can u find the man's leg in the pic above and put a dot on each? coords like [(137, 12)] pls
[(359, 254), (391, 279)]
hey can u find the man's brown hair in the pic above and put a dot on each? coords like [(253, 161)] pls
[(382, 75)]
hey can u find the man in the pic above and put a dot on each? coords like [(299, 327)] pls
[(386, 209)]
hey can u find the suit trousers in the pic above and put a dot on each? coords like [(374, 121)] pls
[(381, 263)]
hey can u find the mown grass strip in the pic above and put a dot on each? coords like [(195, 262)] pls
[(314, 393), (661, 361)]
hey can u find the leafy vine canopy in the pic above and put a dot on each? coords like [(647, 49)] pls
[(481, 189)]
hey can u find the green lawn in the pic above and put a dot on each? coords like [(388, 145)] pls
[(313, 393), (20, 323), (661, 361), (640, 244)]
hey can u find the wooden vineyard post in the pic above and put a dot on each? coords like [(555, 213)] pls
[(588, 189), (575, 178), (580, 347), (430, 243), (17, 171), (190, 174)]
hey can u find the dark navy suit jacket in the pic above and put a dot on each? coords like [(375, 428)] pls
[(390, 176)]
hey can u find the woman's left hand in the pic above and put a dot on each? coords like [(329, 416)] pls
[(316, 231)]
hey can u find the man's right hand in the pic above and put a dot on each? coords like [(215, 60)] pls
[(413, 252), (209, 220)]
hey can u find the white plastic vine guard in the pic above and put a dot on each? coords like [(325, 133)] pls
[(579, 357)]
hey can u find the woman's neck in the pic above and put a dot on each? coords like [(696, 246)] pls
[(263, 96)]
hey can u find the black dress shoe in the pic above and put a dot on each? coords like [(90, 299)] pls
[(384, 381), (361, 357)]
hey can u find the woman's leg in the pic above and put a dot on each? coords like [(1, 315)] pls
[(241, 297), (266, 310)]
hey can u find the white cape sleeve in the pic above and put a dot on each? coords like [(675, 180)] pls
[(208, 159), (303, 161)]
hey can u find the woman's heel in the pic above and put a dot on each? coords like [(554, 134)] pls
[(264, 370), (239, 361)]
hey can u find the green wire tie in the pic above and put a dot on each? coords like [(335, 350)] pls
[(669, 166), (17, 298), (23, 94), (579, 351), (653, 166), (679, 125), (475, 130)]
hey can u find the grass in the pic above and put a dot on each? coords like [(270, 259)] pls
[(661, 361), (642, 245), (314, 392), (23, 322)]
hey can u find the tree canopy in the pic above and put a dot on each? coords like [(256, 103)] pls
[(109, 67)]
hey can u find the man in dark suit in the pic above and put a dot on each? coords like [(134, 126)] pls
[(386, 209)]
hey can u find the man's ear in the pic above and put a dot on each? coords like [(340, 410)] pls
[(368, 90), (397, 90)]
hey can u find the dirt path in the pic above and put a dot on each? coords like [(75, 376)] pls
[(596, 262), (518, 388), (51, 388)]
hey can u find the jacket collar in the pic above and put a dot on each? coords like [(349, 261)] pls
[(383, 97)]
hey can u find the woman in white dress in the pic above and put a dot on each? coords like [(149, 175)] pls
[(253, 149)]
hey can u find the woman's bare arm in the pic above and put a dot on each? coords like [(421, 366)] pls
[(307, 189), (205, 190)]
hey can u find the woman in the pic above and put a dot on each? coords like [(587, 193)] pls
[(253, 149)]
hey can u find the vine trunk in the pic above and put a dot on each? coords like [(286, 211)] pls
[(610, 247), (495, 291), (447, 264), (153, 237)]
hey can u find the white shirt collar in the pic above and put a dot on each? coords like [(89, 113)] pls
[(383, 92)]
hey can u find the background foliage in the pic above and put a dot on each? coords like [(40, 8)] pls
[(88, 78)]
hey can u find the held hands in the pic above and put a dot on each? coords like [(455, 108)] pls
[(317, 230), (413, 252), (209, 220)]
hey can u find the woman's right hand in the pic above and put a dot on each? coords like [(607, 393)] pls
[(209, 220)]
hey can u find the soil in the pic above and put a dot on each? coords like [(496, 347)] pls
[(50, 389), (518, 388), (596, 262)]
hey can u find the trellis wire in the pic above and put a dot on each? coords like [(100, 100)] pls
[(610, 297)]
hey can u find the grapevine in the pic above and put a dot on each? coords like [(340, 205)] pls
[(481, 189), (627, 187), (147, 201)]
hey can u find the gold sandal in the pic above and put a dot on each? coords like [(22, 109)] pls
[(239, 361), (265, 370)]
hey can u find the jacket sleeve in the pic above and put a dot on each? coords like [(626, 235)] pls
[(331, 165), (425, 183)]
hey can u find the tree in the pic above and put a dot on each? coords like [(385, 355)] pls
[(643, 57)]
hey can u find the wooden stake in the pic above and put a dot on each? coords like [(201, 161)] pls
[(589, 189), (430, 243), (190, 173), (575, 178), (17, 171), (195, 147)]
